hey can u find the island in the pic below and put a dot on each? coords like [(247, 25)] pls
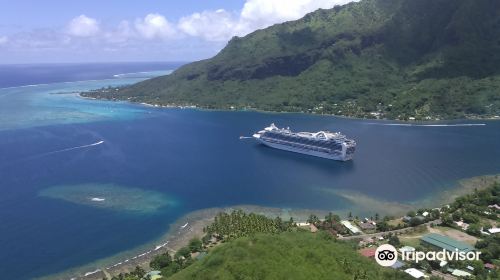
[(390, 59)]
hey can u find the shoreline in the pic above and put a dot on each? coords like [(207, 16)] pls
[(178, 235), (201, 108), (191, 225)]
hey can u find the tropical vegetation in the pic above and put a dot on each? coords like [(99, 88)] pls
[(397, 59), (288, 255)]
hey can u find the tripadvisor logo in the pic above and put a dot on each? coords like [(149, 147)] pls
[(386, 255)]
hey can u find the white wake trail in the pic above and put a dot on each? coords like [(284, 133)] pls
[(74, 148)]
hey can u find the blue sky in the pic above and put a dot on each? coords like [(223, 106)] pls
[(36, 13), (133, 30)]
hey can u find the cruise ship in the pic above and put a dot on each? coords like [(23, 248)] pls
[(322, 144)]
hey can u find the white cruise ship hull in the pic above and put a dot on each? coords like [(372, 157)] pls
[(337, 156)]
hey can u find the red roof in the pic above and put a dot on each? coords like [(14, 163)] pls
[(368, 252), (490, 266)]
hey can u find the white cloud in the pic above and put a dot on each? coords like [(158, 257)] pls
[(3, 40), (263, 13), (83, 26), (210, 25), (221, 25), (155, 26)]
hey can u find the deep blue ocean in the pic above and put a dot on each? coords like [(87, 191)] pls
[(194, 157)]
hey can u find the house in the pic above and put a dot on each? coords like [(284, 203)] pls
[(462, 225), (489, 266), (425, 214), (446, 243), (415, 273), (494, 206), (368, 252), (460, 273), (351, 227), (366, 220), (367, 226), (494, 230)]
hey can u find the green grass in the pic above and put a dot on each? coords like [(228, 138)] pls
[(290, 255)]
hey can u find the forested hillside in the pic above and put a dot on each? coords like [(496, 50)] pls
[(398, 59)]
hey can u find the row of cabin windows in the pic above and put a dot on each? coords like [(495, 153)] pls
[(301, 140), (302, 146)]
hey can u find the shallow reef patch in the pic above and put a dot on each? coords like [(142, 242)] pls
[(110, 196)]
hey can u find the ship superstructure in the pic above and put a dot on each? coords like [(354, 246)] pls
[(325, 144)]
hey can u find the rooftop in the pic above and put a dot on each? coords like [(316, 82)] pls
[(494, 230), (351, 227), (368, 252), (446, 243), (460, 273), (367, 226), (415, 273)]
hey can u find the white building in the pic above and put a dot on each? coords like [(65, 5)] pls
[(415, 273), (352, 228), (494, 230), (460, 273)]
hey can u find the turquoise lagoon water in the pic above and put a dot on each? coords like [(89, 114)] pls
[(58, 150)]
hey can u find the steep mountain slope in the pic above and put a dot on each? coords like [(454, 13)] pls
[(393, 58)]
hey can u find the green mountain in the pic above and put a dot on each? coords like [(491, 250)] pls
[(392, 58), (291, 255)]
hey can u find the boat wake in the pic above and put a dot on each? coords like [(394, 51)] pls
[(74, 148), (53, 153), (429, 125)]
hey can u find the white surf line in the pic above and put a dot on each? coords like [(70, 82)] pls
[(161, 246), (429, 125), (92, 272), (81, 81), (121, 75), (158, 247), (134, 73)]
